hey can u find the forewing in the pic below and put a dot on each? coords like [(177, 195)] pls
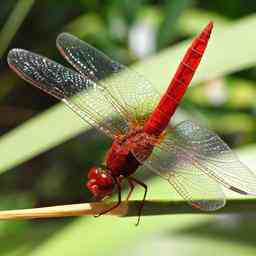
[(130, 93), (70, 87)]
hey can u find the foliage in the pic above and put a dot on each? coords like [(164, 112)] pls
[(44, 161)]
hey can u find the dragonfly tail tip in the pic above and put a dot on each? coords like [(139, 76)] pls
[(209, 27)]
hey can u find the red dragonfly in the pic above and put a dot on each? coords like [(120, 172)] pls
[(194, 160)]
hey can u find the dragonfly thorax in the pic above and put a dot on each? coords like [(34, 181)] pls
[(121, 160)]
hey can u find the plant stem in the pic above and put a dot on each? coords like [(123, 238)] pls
[(165, 207), (127, 210)]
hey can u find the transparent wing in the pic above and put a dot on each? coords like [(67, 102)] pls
[(214, 157), (197, 189), (70, 87), (130, 93), (193, 185), (192, 153)]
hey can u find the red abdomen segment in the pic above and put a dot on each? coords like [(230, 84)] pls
[(165, 109)]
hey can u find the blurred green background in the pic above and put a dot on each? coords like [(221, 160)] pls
[(46, 152)]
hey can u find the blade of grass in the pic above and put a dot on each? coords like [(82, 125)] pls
[(168, 27), (13, 23), (230, 50), (193, 19)]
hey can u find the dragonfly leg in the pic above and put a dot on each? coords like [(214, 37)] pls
[(133, 180), (118, 185), (132, 186)]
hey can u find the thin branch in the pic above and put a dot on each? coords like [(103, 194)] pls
[(125, 210), (63, 211)]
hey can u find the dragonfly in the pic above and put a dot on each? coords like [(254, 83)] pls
[(195, 161)]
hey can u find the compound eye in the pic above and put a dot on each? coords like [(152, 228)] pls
[(105, 181), (93, 173), (94, 188)]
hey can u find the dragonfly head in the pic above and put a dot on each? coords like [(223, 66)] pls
[(100, 183)]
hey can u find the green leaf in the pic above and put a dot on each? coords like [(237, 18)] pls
[(193, 19), (168, 27), (230, 49), (13, 23)]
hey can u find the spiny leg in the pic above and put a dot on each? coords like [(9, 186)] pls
[(118, 201), (144, 196)]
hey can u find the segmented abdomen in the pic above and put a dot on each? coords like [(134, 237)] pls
[(165, 109)]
